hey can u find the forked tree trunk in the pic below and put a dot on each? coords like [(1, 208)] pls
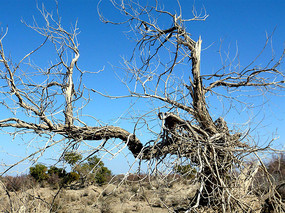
[(216, 165)]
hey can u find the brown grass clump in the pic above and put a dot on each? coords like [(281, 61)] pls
[(17, 183)]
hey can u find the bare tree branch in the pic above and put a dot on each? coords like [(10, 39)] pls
[(49, 104)]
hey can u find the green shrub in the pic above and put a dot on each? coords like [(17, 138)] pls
[(102, 175), (186, 170), (38, 172), (55, 176), (60, 172), (70, 177), (72, 157), (98, 172), (91, 171)]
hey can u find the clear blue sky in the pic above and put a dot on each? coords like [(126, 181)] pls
[(241, 22)]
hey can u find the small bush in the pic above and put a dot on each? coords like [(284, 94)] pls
[(18, 183), (13, 183), (56, 176), (54, 180), (102, 175), (38, 172), (276, 167), (186, 170), (70, 177), (273, 174), (72, 157), (136, 177), (91, 171), (53, 170)]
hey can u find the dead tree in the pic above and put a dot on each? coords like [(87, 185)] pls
[(47, 104)]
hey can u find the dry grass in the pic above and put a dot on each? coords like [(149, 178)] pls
[(128, 197)]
